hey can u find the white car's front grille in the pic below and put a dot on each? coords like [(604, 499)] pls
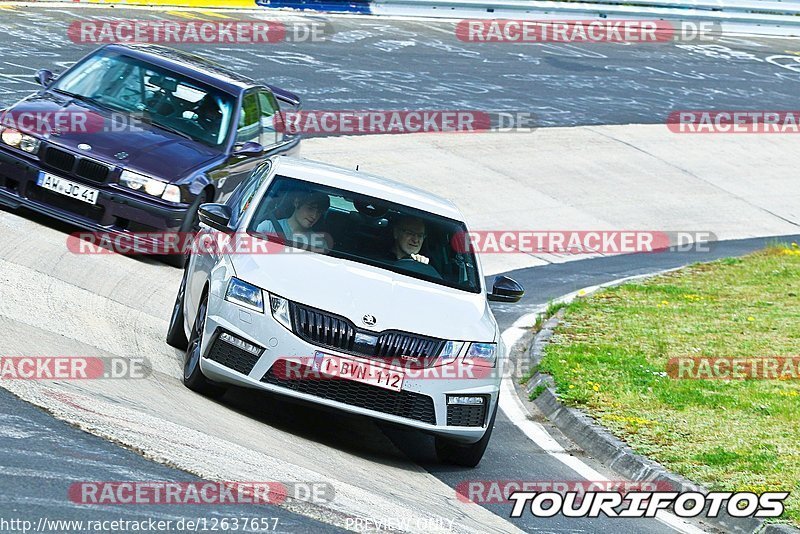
[(328, 330)]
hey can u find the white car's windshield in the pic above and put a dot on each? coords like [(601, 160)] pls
[(161, 97), (368, 230)]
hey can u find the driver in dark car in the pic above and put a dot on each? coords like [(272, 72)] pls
[(209, 115)]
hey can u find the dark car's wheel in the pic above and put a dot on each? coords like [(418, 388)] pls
[(193, 377), (451, 452), (176, 336), (191, 223)]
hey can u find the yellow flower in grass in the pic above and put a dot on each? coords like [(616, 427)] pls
[(751, 318), (596, 387), (630, 420)]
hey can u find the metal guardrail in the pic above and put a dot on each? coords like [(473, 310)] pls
[(747, 6), (733, 13)]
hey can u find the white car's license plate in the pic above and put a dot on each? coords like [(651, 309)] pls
[(67, 188), (366, 373)]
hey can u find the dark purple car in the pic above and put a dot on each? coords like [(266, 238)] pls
[(135, 138)]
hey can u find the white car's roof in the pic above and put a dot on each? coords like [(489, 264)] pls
[(368, 184)]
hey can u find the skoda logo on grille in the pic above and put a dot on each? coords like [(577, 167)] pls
[(85, 146), (369, 320)]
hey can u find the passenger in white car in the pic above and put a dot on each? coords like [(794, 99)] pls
[(309, 208)]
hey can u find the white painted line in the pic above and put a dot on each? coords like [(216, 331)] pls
[(519, 415)]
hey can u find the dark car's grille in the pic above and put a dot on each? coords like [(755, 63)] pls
[(466, 415), (58, 159), (90, 170), (63, 161), (94, 212), (400, 403), (232, 357), (322, 328)]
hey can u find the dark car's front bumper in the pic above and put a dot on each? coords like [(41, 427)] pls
[(115, 210)]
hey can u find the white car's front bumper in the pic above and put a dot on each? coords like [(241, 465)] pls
[(421, 404)]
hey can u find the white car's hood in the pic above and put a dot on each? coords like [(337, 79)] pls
[(353, 290)]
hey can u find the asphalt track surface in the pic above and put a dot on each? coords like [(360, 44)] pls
[(399, 65), (371, 63)]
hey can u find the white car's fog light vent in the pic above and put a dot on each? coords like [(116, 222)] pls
[(466, 400), (466, 410), (229, 351), (240, 343)]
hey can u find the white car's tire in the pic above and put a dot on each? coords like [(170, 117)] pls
[(193, 377)]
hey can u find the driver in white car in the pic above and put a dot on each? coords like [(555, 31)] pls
[(409, 235)]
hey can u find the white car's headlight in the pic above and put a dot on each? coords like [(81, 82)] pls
[(245, 295), (280, 310), (481, 354), (151, 186), (450, 351)]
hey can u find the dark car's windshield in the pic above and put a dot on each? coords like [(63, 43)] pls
[(159, 96), (367, 230)]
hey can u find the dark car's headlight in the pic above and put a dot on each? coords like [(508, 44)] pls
[(245, 295), (17, 139), (151, 186)]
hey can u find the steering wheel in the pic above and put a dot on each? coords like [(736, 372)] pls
[(158, 101)]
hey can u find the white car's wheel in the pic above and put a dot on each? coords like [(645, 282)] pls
[(176, 337), (193, 377)]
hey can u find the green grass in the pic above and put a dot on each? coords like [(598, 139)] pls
[(610, 356)]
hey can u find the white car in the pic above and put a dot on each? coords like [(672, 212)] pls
[(349, 291)]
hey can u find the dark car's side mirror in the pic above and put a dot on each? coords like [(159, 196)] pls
[(217, 216), (250, 148), (43, 77), (505, 290)]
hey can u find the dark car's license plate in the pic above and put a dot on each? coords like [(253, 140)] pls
[(67, 188)]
